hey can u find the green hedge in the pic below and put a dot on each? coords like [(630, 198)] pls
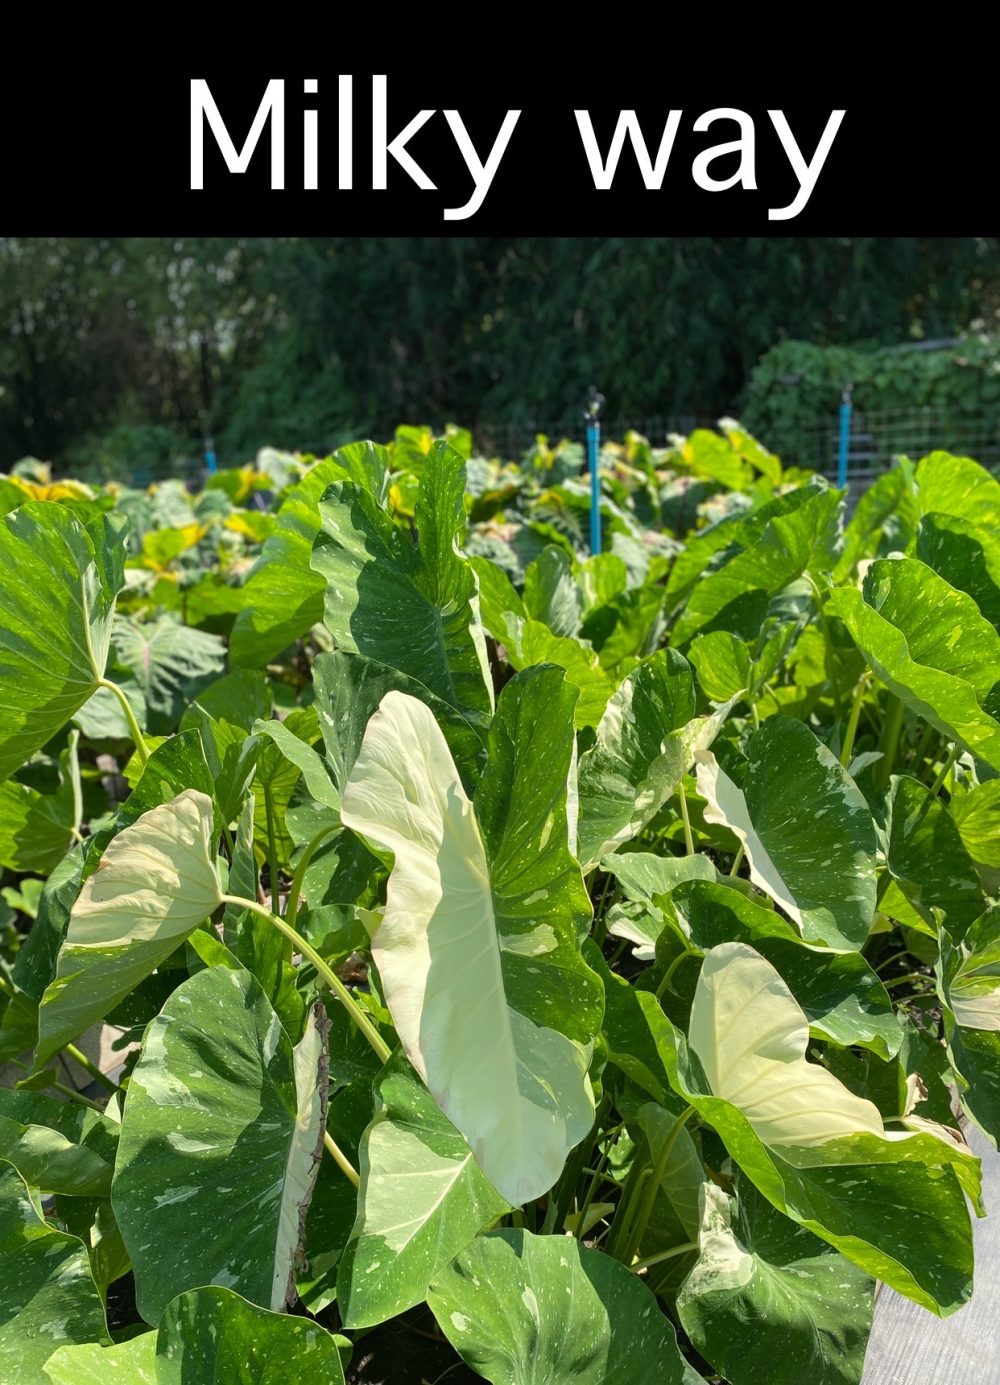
[(797, 385)]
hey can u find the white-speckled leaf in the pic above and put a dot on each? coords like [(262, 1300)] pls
[(806, 828), (751, 1035), (153, 886), (478, 951), (413, 607), (969, 986), (125, 1363), (855, 1190), (646, 741), (768, 1301), (535, 1310), (221, 1133), (58, 583), (423, 1198), (933, 648), (212, 1334), (47, 1293)]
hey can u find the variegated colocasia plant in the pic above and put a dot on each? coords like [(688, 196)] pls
[(594, 956)]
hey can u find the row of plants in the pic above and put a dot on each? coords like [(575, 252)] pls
[(526, 964)]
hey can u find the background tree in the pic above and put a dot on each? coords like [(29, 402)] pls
[(134, 349)]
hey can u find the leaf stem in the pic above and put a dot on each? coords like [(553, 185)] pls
[(663, 1255), (889, 744), (295, 890), (685, 818), (853, 719), (600, 926), (669, 973), (638, 1228), (946, 768), (71, 1094), (895, 956), (331, 978), (138, 739), (825, 627), (910, 976), (737, 860), (597, 1175), (272, 856), (340, 1159), (91, 1068)]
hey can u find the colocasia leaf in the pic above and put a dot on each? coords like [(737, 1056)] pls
[(525, 1308), (767, 1300), (647, 739), (806, 828), (931, 646), (819, 1153), (154, 885), (413, 607), (969, 986), (57, 601), (423, 1199), (47, 1294), (477, 951), (222, 1115)]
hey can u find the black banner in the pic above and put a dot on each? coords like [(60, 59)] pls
[(286, 136)]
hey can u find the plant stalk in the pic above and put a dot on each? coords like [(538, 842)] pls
[(685, 819), (91, 1068), (138, 739), (945, 770), (638, 1229), (272, 856), (663, 1255), (889, 743), (340, 1159), (378, 1044), (852, 721), (668, 975), (295, 890)]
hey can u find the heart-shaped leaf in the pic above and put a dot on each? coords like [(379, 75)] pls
[(221, 1114), (477, 951), (154, 885), (524, 1310), (768, 1301), (57, 601), (806, 829)]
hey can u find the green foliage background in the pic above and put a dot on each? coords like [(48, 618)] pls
[(133, 349)]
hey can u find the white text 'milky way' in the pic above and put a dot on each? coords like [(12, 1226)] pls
[(391, 146)]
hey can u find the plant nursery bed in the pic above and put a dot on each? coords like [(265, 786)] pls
[(447, 938)]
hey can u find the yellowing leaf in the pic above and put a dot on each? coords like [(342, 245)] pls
[(155, 880), (154, 885), (751, 1035)]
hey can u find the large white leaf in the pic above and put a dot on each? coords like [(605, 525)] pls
[(153, 886), (516, 1088), (751, 1035)]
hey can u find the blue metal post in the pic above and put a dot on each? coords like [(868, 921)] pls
[(593, 452), (211, 461), (592, 414), (844, 445)]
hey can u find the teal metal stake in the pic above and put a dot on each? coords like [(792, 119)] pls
[(592, 414), (844, 445)]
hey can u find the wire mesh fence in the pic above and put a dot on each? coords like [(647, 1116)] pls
[(877, 438)]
